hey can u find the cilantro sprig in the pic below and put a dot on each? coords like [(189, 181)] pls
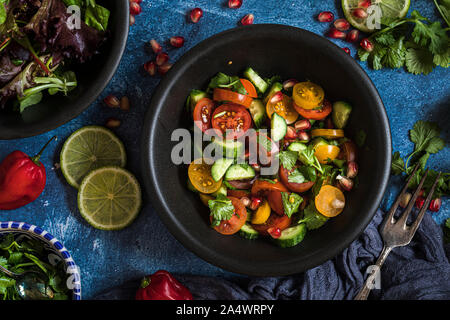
[(291, 203), (221, 209)]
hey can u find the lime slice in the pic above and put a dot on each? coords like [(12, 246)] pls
[(109, 198), (90, 148), (387, 10)]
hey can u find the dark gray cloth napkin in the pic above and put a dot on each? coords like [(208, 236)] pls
[(420, 270)]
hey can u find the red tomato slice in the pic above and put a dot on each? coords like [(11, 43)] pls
[(238, 193), (250, 88), (233, 118), (315, 114), (294, 187), (202, 114), (262, 186), (276, 202), (233, 97), (236, 222), (274, 221)]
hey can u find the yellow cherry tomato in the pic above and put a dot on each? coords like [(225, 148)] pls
[(330, 201), (201, 179), (328, 133), (308, 95), (205, 198), (324, 153), (284, 108), (262, 214)]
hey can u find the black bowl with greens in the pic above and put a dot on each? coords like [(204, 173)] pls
[(56, 57)]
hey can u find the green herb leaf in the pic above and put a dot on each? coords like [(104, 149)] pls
[(312, 218), (425, 135), (221, 209), (291, 203), (288, 159), (398, 165)]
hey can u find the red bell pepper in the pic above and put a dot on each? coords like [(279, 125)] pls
[(162, 286), (22, 179)]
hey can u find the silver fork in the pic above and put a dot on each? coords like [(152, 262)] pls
[(395, 232)]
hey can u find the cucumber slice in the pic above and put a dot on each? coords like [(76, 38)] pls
[(219, 168), (275, 88), (319, 142), (194, 97), (240, 172), (297, 146), (222, 190), (341, 114), (278, 127), (258, 112), (257, 81), (248, 232), (231, 148), (291, 236)]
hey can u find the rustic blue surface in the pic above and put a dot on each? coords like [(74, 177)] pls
[(107, 259)]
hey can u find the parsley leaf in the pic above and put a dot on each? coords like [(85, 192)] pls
[(425, 135), (312, 218), (291, 203), (221, 209), (308, 158), (288, 159)]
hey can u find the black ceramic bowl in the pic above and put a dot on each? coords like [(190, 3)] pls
[(271, 50), (92, 78)]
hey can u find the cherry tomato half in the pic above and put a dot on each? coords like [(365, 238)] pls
[(200, 177), (327, 133), (293, 186), (238, 193), (231, 119), (274, 221), (330, 201), (308, 95), (262, 186), (202, 114), (315, 114), (275, 201), (228, 227), (283, 107), (324, 153), (250, 88), (233, 97)]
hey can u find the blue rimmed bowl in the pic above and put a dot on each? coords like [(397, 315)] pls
[(56, 250)]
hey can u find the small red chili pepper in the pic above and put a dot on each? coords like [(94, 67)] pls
[(22, 179), (162, 286)]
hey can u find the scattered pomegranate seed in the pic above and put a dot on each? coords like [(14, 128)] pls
[(364, 3), (162, 70), (177, 41), (352, 169), (248, 19), (196, 14), (359, 13), (347, 50), (125, 103), (325, 16), (162, 58), (352, 36), (150, 67), (274, 232), (342, 24), (245, 201), (303, 136), (302, 125), (345, 183), (155, 46), (366, 44), (112, 123), (336, 34), (234, 4), (419, 202), (288, 84), (132, 20), (291, 133), (135, 8), (255, 203), (112, 101), (277, 97), (435, 204)]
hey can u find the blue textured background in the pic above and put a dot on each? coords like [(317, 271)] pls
[(107, 259)]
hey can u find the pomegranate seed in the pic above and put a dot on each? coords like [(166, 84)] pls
[(155, 46), (255, 203), (419, 202), (234, 4), (366, 44), (177, 41), (277, 97), (132, 20), (196, 14), (347, 50), (288, 84), (435, 204), (341, 24), (162, 58), (125, 103), (364, 4), (291, 134), (345, 183), (135, 8), (303, 136), (112, 101), (248, 19), (352, 169), (405, 199), (245, 201), (150, 67), (274, 232), (162, 70), (112, 123), (359, 13), (256, 167), (303, 125), (352, 36), (325, 16), (336, 34)]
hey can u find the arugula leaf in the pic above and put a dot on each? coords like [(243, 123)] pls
[(291, 203), (312, 218), (221, 209), (288, 159)]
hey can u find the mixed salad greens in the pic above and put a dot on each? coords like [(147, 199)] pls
[(40, 41), (25, 255), (299, 136)]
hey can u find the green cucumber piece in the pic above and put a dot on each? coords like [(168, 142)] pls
[(248, 232), (222, 190), (276, 87), (278, 127), (240, 172), (258, 112), (219, 168), (194, 97), (297, 146), (291, 236), (231, 148), (257, 81), (319, 142), (341, 114)]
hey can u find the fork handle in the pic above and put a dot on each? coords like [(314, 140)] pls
[(365, 290)]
